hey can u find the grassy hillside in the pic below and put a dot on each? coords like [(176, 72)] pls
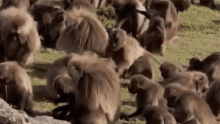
[(199, 36)]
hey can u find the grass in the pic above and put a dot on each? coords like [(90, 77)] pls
[(199, 36)]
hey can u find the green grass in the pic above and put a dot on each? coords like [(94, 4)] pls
[(199, 36)]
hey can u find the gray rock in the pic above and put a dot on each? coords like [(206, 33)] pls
[(9, 115)]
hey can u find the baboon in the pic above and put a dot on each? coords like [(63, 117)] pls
[(181, 5), (154, 38), (188, 106), (158, 115), (148, 93), (19, 86), (209, 65), (51, 22), (124, 49), (98, 98), (85, 34), (19, 36), (70, 4), (128, 19), (194, 81), (212, 97), (168, 70), (208, 3), (100, 3), (166, 10), (140, 66), (21, 4)]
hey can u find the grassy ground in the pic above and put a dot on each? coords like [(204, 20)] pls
[(199, 36)]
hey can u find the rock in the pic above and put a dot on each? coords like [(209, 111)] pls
[(9, 115)]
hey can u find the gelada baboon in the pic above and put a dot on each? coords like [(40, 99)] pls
[(181, 5), (208, 3), (85, 34), (212, 97), (148, 93), (158, 115), (100, 3), (168, 70), (140, 66), (128, 19), (51, 22), (124, 50), (97, 99), (19, 86), (188, 106), (70, 4), (21, 4), (166, 10), (194, 81), (209, 65), (154, 38), (19, 36)]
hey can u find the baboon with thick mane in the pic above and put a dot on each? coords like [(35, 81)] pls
[(19, 36)]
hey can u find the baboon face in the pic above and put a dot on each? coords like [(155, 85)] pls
[(171, 94), (64, 86), (59, 14), (137, 83), (5, 74), (167, 69), (202, 84), (116, 40), (195, 64)]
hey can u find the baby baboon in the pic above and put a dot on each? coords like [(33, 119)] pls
[(153, 39), (128, 19), (212, 97), (188, 106), (166, 10), (19, 36), (19, 86), (148, 93), (140, 66), (124, 49), (21, 4), (181, 5), (168, 70), (209, 65), (98, 96), (195, 81), (85, 34), (51, 22), (158, 115)]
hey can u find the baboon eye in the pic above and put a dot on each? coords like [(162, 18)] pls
[(66, 90)]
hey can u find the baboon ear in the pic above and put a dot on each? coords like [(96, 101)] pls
[(121, 35)]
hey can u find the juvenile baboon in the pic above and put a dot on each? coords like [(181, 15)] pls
[(86, 33), (168, 70), (19, 36), (70, 4), (210, 65), (140, 66), (194, 81), (166, 10), (21, 4), (51, 22), (154, 38), (208, 3), (181, 5), (148, 93), (158, 115), (212, 97), (124, 49), (188, 106), (19, 86), (128, 19), (98, 96)]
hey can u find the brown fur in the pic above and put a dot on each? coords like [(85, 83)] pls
[(19, 27), (51, 22), (188, 106), (154, 38), (210, 65), (85, 34), (181, 5), (100, 3), (21, 4), (124, 49), (148, 93), (128, 19)]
